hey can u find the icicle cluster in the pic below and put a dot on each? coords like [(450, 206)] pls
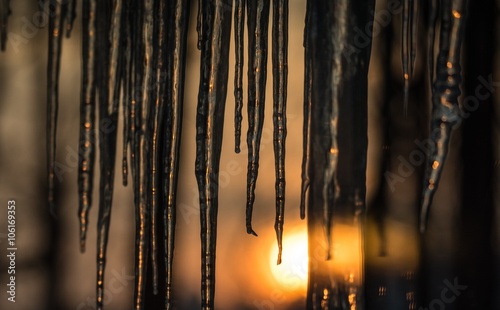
[(133, 59)]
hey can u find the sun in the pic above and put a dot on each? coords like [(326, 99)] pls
[(292, 272)]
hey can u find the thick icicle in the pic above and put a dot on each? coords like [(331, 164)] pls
[(258, 23), (446, 90), (109, 57), (70, 17), (216, 25), (56, 28), (239, 26), (306, 156), (144, 62), (280, 78), (4, 16), (176, 62), (338, 73), (87, 117)]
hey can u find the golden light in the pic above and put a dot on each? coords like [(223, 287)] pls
[(292, 272)]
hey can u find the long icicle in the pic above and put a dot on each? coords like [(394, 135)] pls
[(157, 105), (258, 23), (216, 35), (128, 85), (239, 26), (176, 64), (4, 17), (306, 150), (110, 54), (86, 154), (56, 30), (446, 90), (280, 79), (142, 153)]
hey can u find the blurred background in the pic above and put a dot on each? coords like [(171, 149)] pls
[(461, 244)]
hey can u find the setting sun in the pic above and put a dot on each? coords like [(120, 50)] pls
[(292, 272)]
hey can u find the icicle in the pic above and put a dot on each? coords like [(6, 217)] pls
[(239, 26), (307, 117), (70, 17), (258, 22), (109, 57), (431, 37), (142, 153), (129, 86), (56, 28), (177, 33), (157, 91), (407, 46), (199, 22), (216, 25), (4, 16), (337, 69), (280, 78), (87, 118), (446, 90)]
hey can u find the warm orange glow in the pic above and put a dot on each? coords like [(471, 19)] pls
[(292, 272)]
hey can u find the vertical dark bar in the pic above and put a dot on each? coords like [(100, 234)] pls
[(339, 73), (476, 259)]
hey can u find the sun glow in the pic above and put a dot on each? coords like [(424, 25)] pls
[(292, 272)]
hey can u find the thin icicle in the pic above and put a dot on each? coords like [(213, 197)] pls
[(56, 28), (280, 79), (258, 23), (157, 91), (431, 37), (87, 118), (70, 17), (239, 26), (446, 90), (4, 17), (216, 24), (414, 35), (109, 54), (177, 33), (306, 156), (199, 22), (127, 85), (142, 153), (406, 46)]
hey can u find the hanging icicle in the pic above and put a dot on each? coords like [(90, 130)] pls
[(142, 151), (216, 25), (108, 51), (306, 150), (445, 93), (56, 30), (280, 79), (239, 26), (87, 117), (177, 32), (409, 23), (258, 23), (334, 182)]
